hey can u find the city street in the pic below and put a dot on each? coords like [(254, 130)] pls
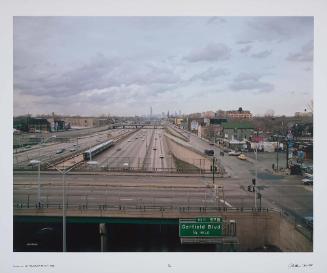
[(100, 189)]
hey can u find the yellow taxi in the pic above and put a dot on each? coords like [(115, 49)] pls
[(242, 157)]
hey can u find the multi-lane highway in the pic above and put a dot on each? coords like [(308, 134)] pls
[(46, 152), (146, 149)]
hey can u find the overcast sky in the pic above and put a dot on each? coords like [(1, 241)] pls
[(124, 65)]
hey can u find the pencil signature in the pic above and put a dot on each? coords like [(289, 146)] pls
[(294, 265)]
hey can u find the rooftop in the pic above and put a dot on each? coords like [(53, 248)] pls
[(237, 125)]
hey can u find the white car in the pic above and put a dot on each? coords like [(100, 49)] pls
[(125, 166), (234, 153), (307, 181)]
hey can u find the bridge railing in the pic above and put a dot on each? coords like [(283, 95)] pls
[(85, 207), (18, 205)]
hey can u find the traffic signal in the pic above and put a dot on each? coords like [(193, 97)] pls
[(250, 188), (253, 181), (215, 168)]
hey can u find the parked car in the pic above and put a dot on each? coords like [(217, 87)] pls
[(307, 179), (209, 152), (308, 220)]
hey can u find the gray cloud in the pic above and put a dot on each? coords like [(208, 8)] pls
[(211, 53), (261, 54), (250, 81), (216, 20), (270, 28), (244, 42), (99, 73), (245, 49), (56, 67), (304, 55), (210, 74)]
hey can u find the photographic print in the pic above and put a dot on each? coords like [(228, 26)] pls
[(163, 134)]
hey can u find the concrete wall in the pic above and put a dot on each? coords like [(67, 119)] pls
[(186, 154), (258, 229), (288, 238), (176, 134)]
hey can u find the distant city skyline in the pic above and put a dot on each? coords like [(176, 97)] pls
[(127, 65)]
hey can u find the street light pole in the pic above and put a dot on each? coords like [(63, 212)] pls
[(256, 177), (38, 162), (39, 183), (64, 248), (213, 170), (63, 213), (277, 154)]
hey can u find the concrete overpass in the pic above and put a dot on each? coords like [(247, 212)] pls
[(251, 228)]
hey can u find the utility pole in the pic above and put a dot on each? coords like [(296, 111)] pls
[(38, 183), (256, 177), (287, 154), (277, 153), (213, 170)]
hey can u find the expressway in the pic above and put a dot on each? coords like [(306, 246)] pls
[(45, 152), (145, 149)]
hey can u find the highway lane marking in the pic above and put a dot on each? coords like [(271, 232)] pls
[(226, 203), (126, 199)]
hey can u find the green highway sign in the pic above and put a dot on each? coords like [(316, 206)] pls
[(201, 227), (209, 219)]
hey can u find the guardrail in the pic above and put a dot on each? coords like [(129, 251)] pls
[(138, 207), (79, 168)]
